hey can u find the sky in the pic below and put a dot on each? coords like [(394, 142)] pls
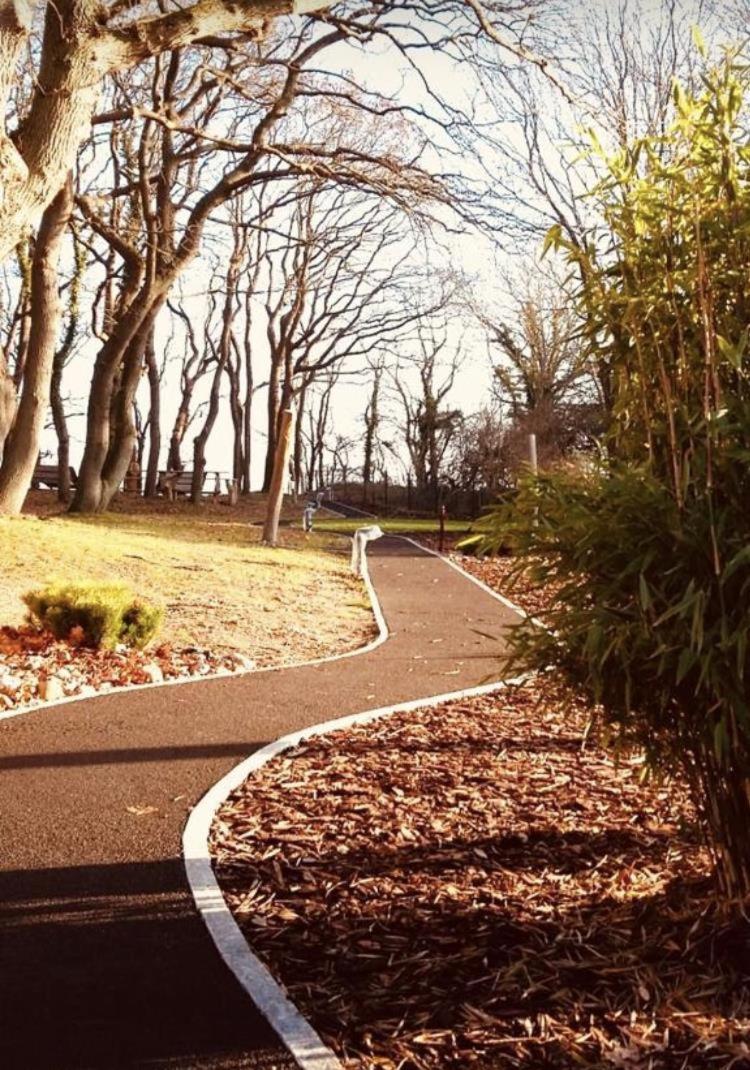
[(485, 262)]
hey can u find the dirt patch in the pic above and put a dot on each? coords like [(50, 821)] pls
[(471, 886)]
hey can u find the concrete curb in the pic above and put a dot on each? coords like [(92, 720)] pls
[(479, 583), (297, 1034)]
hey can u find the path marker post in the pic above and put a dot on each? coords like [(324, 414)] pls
[(361, 537), (533, 457)]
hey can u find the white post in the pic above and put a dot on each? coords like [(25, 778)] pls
[(361, 537), (533, 460)]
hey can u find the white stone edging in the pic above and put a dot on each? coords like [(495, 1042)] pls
[(308, 1049), (224, 674), (480, 583)]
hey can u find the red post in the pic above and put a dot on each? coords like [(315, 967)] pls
[(441, 514)]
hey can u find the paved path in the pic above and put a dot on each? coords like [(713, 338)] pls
[(103, 961)]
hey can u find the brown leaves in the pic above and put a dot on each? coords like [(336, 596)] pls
[(467, 886), (500, 573), (29, 657)]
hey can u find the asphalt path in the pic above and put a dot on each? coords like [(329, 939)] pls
[(104, 962)]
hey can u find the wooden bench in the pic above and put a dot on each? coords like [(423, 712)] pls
[(176, 484), (49, 475)]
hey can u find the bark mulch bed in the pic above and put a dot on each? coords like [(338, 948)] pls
[(472, 886), (34, 667)]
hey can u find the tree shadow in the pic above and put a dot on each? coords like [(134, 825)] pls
[(108, 966), (181, 752), (384, 937)]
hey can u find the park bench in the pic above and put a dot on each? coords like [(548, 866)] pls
[(177, 484), (49, 475)]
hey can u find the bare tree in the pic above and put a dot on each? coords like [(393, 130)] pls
[(480, 459), (195, 363), (62, 356), (221, 360), (81, 45), (315, 437), (429, 425), (372, 419), (544, 382), (22, 444)]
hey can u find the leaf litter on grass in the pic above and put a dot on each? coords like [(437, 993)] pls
[(472, 886)]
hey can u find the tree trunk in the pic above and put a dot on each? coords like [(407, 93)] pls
[(62, 355), (123, 432), (247, 433), (273, 420), (105, 462), (372, 421), (248, 409), (281, 464), (7, 402), (298, 444), (201, 439), (238, 427), (22, 445), (174, 460), (151, 487), (25, 258), (59, 419)]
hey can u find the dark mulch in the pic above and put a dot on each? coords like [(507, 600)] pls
[(470, 886)]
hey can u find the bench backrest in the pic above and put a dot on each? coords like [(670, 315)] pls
[(44, 473), (180, 482)]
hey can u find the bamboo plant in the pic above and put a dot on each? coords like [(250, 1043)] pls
[(652, 549)]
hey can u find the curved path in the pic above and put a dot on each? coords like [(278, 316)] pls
[(104, 962)]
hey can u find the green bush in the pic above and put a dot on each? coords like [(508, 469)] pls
[(653, 550), (96, 615)]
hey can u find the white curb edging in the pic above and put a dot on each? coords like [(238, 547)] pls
[(479, 583), (297, 1034), (308, 1049)]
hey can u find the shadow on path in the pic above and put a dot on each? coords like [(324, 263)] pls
[(103, 961)]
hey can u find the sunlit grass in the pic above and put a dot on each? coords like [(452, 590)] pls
[(221, 588), (394, 526)]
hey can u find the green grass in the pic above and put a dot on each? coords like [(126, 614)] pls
[(392, 525), (221, 588)]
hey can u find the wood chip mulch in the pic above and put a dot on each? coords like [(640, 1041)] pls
[(473, 886)]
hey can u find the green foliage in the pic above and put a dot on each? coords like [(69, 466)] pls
[(642, 618), (653, 550), (97, 615)]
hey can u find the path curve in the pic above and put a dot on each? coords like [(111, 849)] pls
[(104, 962)]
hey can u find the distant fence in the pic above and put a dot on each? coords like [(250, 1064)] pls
[(394, 499)]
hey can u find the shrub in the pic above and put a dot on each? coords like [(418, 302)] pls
[(102, 615), (653, 550)]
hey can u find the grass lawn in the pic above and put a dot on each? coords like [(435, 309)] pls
[(402, 525), (222, 590)]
